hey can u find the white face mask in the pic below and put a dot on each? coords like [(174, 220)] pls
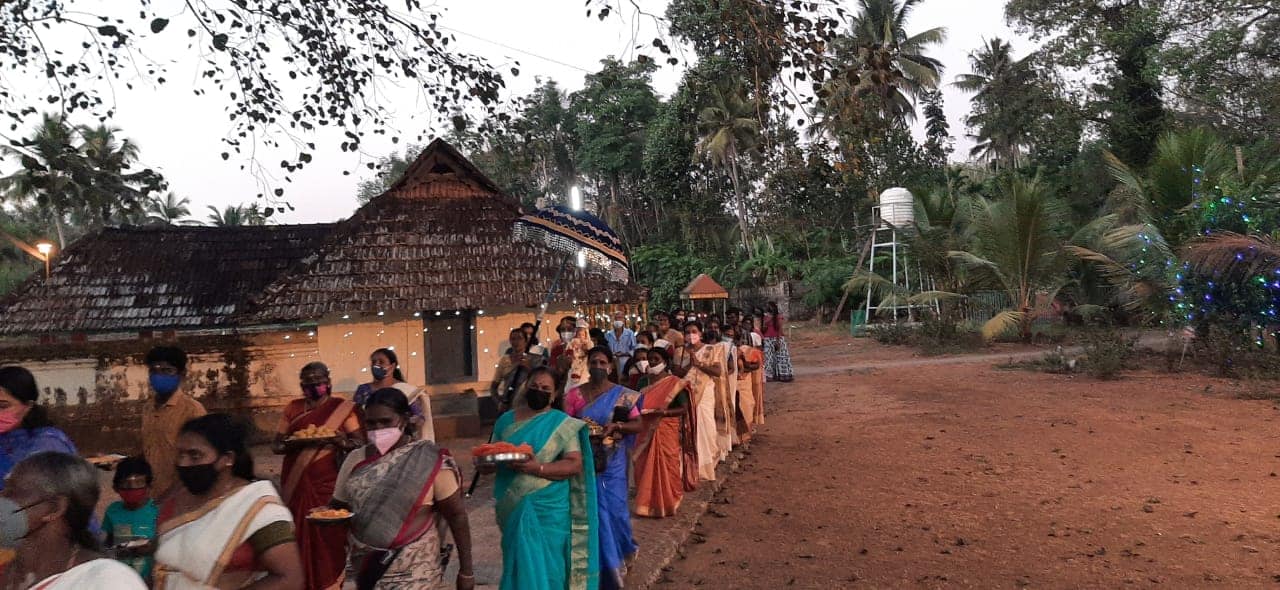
[(617, 324), (566, 336), (642, 366), (658, 369)]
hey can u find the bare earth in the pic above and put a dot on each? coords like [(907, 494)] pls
[(964, 475)]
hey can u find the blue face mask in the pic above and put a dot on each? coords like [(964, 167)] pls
[(165, 385), (378, 373)]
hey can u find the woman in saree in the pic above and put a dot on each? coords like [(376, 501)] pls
[(400, 490), (384, 367), (700, 364), (310, 472), (44, 519), (603, 402), (224, 528), (25, 428), (749, 360), (664, 448), (546, 506)]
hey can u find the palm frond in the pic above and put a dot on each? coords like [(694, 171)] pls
[(1002, 323), (1234, 255)]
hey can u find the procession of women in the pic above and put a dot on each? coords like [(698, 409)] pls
[(617, 423)]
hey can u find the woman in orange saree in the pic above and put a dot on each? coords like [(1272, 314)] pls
[(310, 471), (665, 448)]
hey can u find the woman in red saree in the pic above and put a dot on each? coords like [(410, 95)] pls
[(665, 448), (311, 470)]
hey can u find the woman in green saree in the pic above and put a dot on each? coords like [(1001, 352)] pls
[(546, 506)]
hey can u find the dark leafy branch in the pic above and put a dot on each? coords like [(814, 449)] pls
[(284, 68)]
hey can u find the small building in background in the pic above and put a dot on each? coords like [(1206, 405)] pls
[(429, 269)]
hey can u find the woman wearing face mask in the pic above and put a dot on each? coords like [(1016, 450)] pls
[(25, 428), (44, 518), (636, 371), (384, 367), (664, 449), (310, 471), (603, 402), (224, 528), (401, 490), (546, 506), (726, 387), (703, 365)]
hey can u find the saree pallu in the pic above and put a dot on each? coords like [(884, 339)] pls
[(661, 450), (308, 479), (617, 543), (195, 548), (549, 538), (387, 495)]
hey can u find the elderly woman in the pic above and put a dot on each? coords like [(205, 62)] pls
[(44, 516), (664, 450), (224, 528), (612, 406), (310, 470), (546, 506), (25, 429), (400, 490)]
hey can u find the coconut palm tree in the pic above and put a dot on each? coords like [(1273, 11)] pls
[(114, 193), (48, 159), (1016, 248), (170, 209), (1000, 85), (888, 62), (236, 215), (729, 131)]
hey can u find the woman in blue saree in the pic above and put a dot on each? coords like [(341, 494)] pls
[(25, 429), (546, 507), (615, 409)]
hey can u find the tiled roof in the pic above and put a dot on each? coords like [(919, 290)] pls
[(440, 239), (125, 279)]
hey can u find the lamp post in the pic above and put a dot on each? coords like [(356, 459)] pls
[(45, 249)]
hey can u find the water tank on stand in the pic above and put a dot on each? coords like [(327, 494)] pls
[(897, 208)]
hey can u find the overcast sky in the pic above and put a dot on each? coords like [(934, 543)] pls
[(180, 134)]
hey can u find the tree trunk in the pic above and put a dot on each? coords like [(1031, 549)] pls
[(57, 226), (738, 204)]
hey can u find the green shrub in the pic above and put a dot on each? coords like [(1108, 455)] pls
[(1107, 352), (895, 334)]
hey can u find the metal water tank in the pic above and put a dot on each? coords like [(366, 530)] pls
[(897, 207)]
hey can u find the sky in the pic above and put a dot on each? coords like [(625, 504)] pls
[(180, 134)]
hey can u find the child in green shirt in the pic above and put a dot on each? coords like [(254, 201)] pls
[(132, 519)]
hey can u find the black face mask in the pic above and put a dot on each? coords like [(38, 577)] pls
[(198, 479), (537, 399), (713, 336), (597, 374)]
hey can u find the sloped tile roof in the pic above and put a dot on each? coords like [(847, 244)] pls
[(144, 278), (440, 239)]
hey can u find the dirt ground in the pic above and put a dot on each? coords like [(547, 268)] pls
[(965, 475)]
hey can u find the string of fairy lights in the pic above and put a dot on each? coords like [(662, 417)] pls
[(1197, 298)]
